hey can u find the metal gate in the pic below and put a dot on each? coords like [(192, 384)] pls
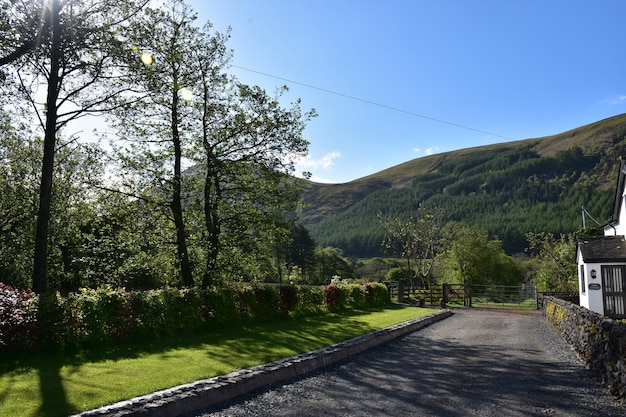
[(613, 286)]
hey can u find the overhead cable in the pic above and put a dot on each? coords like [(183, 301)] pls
[(373, 103)]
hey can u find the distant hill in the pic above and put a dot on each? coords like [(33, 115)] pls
[(507, 189)]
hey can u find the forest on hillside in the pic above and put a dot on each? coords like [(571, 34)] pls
[(507, 191)]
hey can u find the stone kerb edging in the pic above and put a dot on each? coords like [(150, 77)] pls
[(600, 342), (208, 392)]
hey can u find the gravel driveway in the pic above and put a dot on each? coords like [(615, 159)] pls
[(475, 363)]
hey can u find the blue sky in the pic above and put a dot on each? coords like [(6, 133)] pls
[(396, 80)]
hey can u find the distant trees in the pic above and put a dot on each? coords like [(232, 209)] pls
[(471, 257), (555, 259), (506, 191)]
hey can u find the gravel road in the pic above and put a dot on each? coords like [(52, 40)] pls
[(475, 363)]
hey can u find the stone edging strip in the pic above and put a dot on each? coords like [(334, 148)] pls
[(195, 396)]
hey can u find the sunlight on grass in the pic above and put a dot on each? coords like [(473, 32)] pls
[(58, 385)]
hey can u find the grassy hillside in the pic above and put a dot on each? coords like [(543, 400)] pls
[(507, 189)]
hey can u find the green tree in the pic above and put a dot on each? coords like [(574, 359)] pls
[(154, 122), (246, 144), (556, 261), (330, 262), (401, 237), (67, 51), (19, 156), (300, 252), (429, 241), (416, 238), (471, 257)]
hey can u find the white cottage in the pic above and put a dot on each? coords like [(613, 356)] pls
[(602, 261)]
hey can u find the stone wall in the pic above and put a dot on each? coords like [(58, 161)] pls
[(599, 341)]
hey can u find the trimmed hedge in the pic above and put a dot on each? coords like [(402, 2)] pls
[(92, 317)]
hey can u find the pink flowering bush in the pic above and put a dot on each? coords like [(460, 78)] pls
[(18, 318)]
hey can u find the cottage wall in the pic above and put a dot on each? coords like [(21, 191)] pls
[(589, 288)]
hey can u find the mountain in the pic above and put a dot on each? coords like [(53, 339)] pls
[(508, 189)]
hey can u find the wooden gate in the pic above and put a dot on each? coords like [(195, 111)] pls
[(613, 288), (459, 293)]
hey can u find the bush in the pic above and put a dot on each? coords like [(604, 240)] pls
[(92, 317), (310, 300), (337, 296), (267, 303), (220, 308), (376, 294), (288, 298), (18, 318), (357, 296)]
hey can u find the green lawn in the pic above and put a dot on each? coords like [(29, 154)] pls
[(60, 384)]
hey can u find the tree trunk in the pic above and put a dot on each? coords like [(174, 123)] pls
[(40, 276), (176, 205), (211, 220)]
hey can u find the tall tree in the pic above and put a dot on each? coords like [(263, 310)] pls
[(401, 239), (247, 146), (249, 192), (429, 238), (157, 128), (67, 49)]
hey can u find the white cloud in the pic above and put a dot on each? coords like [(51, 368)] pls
[(324, 162), (618, 100), (428, 151), (322, 180)]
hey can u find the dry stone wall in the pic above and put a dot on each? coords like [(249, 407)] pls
[(599, 341)]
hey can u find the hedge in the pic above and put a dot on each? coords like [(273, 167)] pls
[(92, 317)]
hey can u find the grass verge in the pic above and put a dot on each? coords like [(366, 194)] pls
[(64, 383)]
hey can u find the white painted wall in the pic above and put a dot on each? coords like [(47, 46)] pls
[(590, 298)]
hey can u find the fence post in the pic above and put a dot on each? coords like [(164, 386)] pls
[(400, 291), (445, 293), (536, 296)]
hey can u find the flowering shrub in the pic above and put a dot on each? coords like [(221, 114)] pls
[(18, 318), (337, 296)]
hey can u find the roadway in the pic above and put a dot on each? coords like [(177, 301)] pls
[(475, 363)]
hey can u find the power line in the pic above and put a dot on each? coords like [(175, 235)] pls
[(373, 103)]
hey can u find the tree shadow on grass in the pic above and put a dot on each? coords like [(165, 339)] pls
[(267, 340), (53, 396), (17, 397)]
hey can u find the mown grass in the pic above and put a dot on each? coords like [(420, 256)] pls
[(59, 384)]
